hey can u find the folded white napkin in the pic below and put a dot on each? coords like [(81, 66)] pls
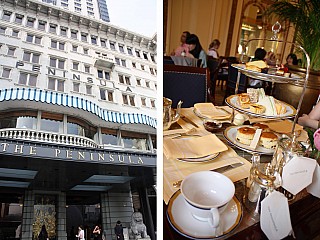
[(211, 111), (193, 147)]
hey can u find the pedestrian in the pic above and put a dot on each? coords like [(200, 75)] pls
[(97, 232), (80, 235), (118, 230)]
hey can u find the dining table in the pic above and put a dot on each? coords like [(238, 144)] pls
[(304, 208)]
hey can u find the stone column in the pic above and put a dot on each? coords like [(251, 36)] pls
[(61, 215)]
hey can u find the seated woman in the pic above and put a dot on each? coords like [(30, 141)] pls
[(291, 60), (311, 120), (213, 48), (196, 50)]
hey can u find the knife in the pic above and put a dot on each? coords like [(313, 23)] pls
[(189, 121), (219, 170)]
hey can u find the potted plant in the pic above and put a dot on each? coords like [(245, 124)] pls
[(305, 18)]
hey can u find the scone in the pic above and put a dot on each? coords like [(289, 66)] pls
[(261, 126), (257, 108), (268, 140), (245, 135)]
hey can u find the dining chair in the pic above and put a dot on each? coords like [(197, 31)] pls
[(232, 80), (189, 84), (213, 65)]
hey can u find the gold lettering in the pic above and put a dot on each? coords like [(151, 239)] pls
[(19, 148), (91, 156), (5, 145), (130, 160), (81, 154), (68, 154), (57, 152), (101, 156), (33, 150), (111, 159), (140, 160), (119, 158)]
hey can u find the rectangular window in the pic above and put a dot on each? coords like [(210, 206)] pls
[(54, 44), (152, 58), (84, 37), (6, 16), (127, 80), (74, 34), (93, 40), (145, 55), (118, 61), (63, 31), (132, 103), (77, 9), (103, 43), (15, 33), (142, 67), (77, 4), (138, 81), (74, 48), (112, 46), (87, 69), (147, 84), (75, 66), (76, 87), (125, 99), (100, 74), (56, 84), (121, 48), (33, 39), (102, 94), (30, 22), (134, 65), (85, 51), (18, 19), (151, 70), (121, 79), (53, 29), (31, 57), (137, 53), (90, 13), (61, 46), (6, 72), (143, 101), (64, 4), (110, 96), (153, 103), (89, 89), (2, 30), (28, 79), (57, 63), (107, 75), (42, 25), (129, 51), (11, 51), (123, 62), (90, 8)]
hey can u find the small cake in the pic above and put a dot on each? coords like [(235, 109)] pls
[(268, 140), (245, 135), (261, 126), (244, 100), (257, 108)]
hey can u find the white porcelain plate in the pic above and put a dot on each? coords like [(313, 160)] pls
[(185, 224), (230, 134), (232, 101)]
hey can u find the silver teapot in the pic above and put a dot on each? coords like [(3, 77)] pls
[(170, 116)]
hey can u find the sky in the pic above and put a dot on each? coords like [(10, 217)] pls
[(134, 15)]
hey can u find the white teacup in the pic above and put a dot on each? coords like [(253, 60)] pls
[(207, 195)]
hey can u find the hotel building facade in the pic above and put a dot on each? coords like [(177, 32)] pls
[(77, 123)]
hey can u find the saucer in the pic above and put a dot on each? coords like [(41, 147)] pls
[(185, 224)]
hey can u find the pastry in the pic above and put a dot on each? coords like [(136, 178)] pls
[(256, 65), (281, 108), (268, 140), (253, 94), (245, 135), (256, 108), (244, 100), (269, 104), (264, 127)]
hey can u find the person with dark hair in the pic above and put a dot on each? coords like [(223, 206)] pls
[(291, 60), (43, 235), (213, 47), (196, 50), (259, 54), (80, 235), (97, 231), (182, 49), (118, 230)]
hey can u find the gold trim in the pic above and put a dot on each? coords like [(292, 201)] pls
[(181, 231)]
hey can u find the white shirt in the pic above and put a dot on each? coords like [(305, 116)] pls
[(81, 235)]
